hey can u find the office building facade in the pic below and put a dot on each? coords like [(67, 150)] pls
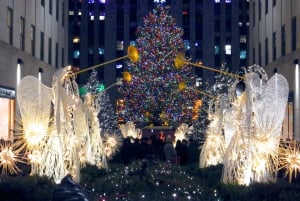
[(33, 41), (275, 45)]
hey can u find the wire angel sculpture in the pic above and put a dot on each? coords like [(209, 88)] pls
[(252, 153)]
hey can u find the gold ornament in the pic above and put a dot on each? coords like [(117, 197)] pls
[(127, 76), (133, 54)]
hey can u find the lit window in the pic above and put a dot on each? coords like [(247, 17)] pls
[(133, 43), (79, 13), (118, 66), (120, 45), (91, 1), (102, 1), (187, 45), (217, 49), (243, 39), (76, 54), (92, 17), (217, 1), (227, 49), (76, 39), (243, 54), (227, 1), (101, 51), (102, 16), (159, 1), (71, 12), (185, 12)]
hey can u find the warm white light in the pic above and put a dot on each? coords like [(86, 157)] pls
[(18, 74)]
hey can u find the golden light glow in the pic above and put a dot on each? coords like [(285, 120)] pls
[(76, 39), (289, 159), (112, 145), (127, 76), (182, 85), (133, 54), (179, 61), (8, 158), (34, 132)]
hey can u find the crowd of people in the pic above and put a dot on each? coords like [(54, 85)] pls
[(155, 147)]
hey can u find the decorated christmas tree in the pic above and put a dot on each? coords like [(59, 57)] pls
[(107, 116), (159, 94), (93, 85)]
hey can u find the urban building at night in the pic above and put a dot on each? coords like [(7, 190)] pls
[(33, 41), (215, 31)]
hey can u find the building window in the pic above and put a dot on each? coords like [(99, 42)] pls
[(50, 51), (294, 33), (283, 40), (22, 33), (253, 56), (56, 55), (42, 46), (57, 10), (274, 2), (50, 7), (228, 49), (243, 39), (62, 56), (217, 49), (120, 45), (253, 14), (101, 51), (43, 3), (10, 25), (259, 10), (266, 6), (32, 39), (274, 46), (76, 39), (63, 14), (243, 54), (217, 1), (266, 51), (7, 108), (259, 54)]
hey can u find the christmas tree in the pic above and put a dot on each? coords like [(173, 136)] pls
[(107, 116), (153, 96), (93, 85)]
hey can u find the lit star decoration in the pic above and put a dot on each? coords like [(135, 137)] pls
[(289, 159), (153, 89), (9, 157)]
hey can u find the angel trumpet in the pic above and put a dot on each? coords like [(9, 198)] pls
[(180, 61), (132, 54)]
